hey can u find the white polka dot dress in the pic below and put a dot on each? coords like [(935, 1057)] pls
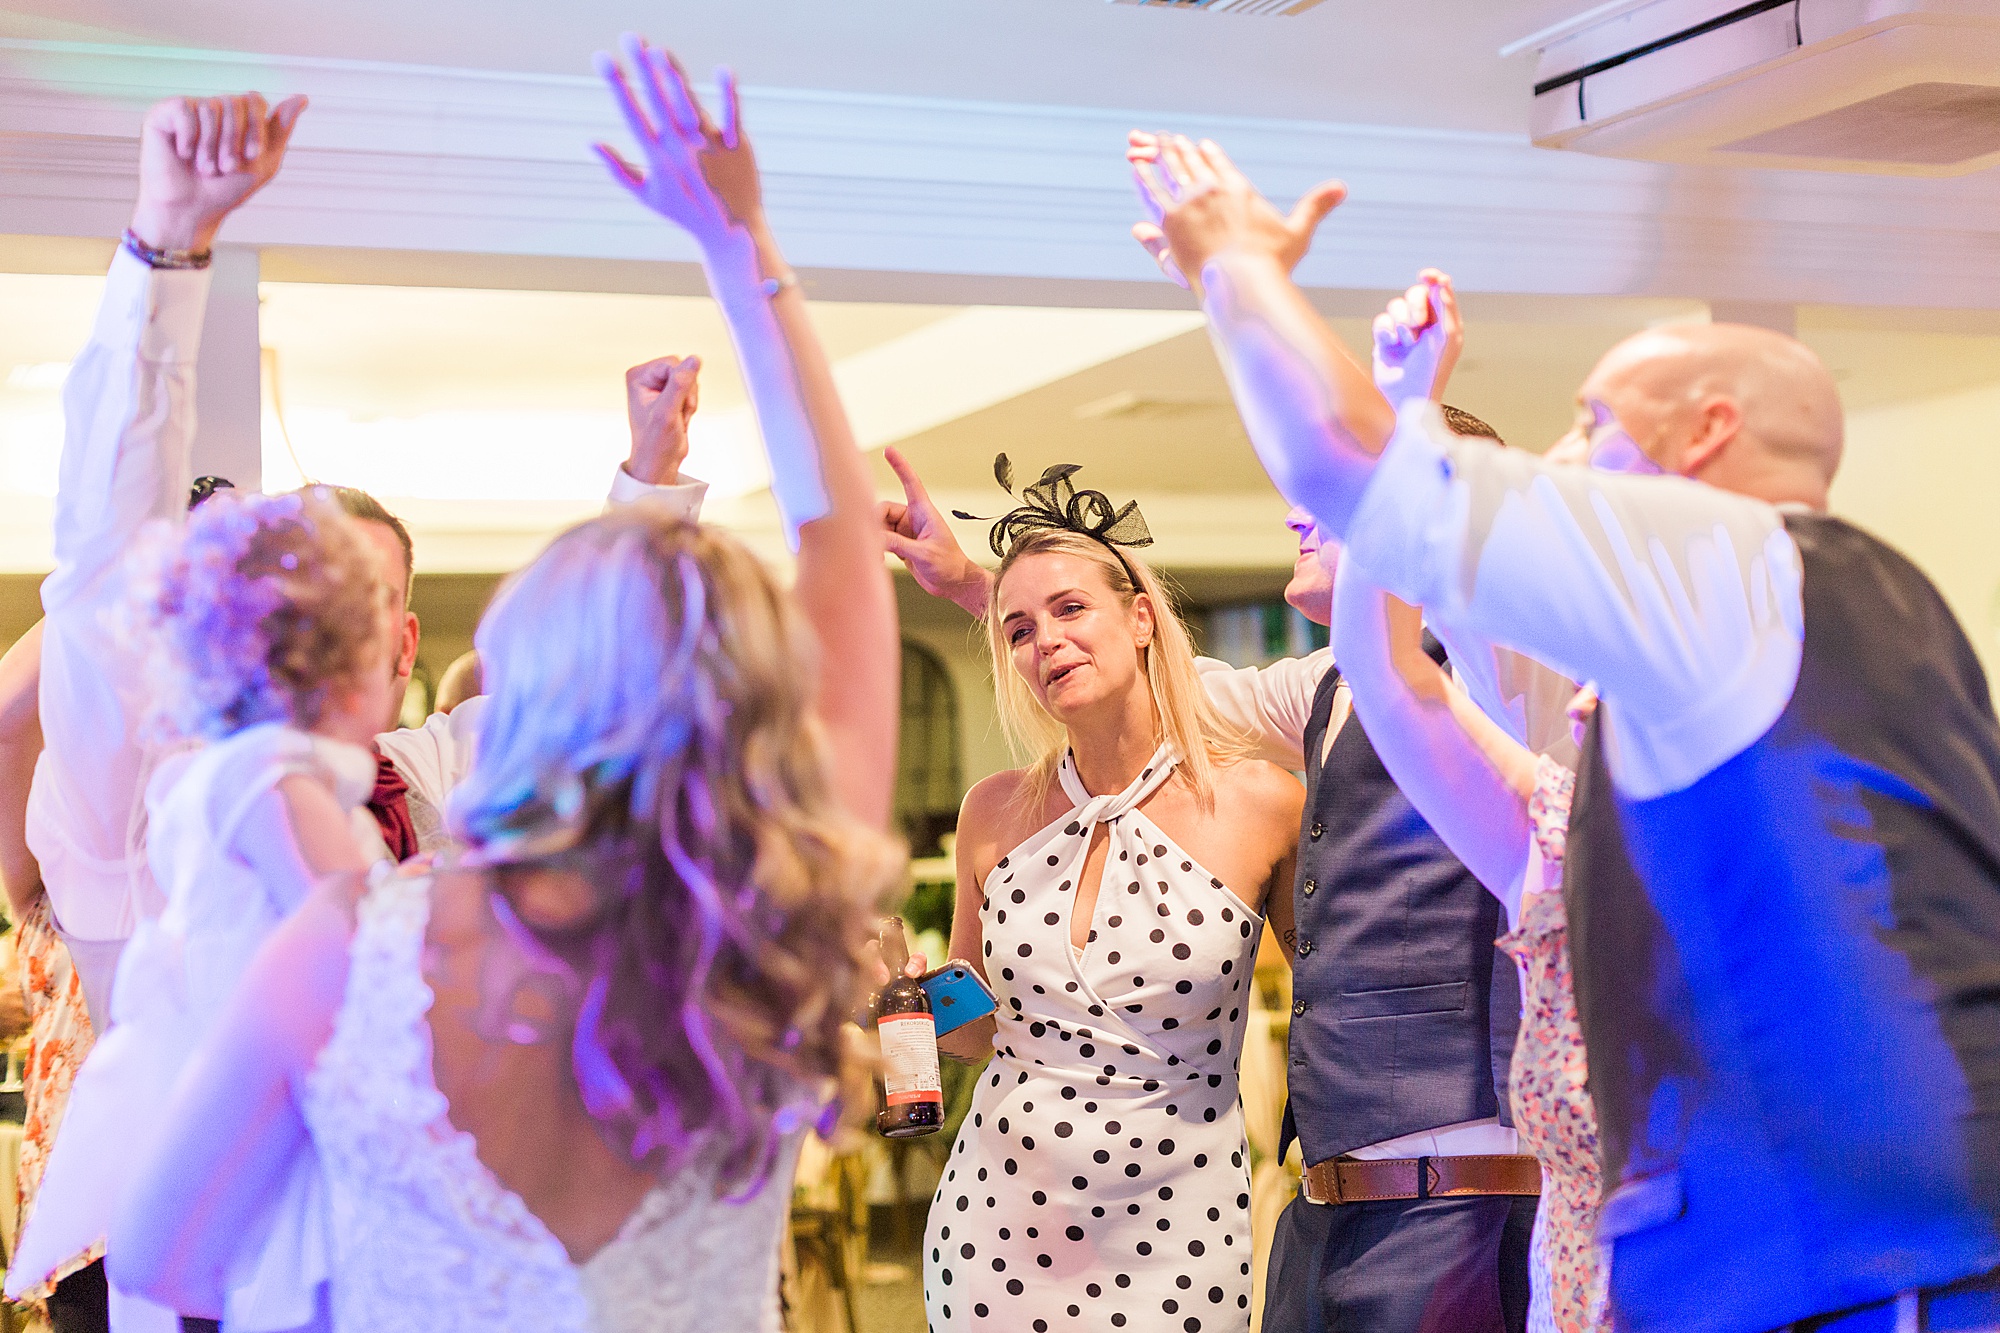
[(1101, 1179)]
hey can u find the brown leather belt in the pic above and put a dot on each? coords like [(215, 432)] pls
[(1346, 1180)]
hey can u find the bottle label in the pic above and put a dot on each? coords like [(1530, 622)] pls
[(910, 1059)]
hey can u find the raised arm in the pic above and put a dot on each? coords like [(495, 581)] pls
[(1312, 412), (703, 177), (1468, 778), (1680, 601), (661, 396), (20, 747), (128, 411)]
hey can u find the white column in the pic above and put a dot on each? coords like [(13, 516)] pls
[(228, 389)]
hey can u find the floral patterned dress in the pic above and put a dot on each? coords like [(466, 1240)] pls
[(59, 1037), (1550, 1094)]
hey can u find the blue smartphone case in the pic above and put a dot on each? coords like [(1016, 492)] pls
[(958, 996)]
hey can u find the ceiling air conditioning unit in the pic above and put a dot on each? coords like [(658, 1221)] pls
[(1229, 6), (1903, 87)]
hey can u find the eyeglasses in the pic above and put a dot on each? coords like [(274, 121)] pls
[(1612, 450)]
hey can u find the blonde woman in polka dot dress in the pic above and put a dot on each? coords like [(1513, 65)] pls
[(1113, 896)]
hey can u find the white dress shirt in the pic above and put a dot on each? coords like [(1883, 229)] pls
[(1681, 602), (1273, 705), (128, 408)]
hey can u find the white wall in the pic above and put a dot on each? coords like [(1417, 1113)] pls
[(1924, 476)]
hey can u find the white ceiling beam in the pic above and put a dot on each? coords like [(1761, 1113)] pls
[(969, 360), (406, 158)]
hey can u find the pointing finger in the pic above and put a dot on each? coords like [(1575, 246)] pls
[(913, 485)]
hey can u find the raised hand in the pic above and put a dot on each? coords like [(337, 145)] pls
[(1202, 205), (698, 175), (200, 158), (1418, 339), (1144, 147), (660, 399), (916, 533)]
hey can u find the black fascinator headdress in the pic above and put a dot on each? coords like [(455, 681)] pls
[(1054, 502)]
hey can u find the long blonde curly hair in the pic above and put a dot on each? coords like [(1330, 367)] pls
[(649, 722), (1182, 711)]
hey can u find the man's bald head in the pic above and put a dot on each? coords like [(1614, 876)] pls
[(1743, 408)]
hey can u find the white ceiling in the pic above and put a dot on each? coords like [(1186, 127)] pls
[(1430, 63), (1145, 414)]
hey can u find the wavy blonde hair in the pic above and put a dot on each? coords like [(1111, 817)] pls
[(1181, 707), (649, 722), (255, 611)]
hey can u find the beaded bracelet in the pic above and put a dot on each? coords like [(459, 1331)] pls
[(167, 259)]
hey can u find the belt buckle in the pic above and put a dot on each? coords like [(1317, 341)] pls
[(1330, 1173)]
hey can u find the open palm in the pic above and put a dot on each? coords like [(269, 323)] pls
[(697, 174)]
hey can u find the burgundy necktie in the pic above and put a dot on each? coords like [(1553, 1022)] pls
[(391, 807)]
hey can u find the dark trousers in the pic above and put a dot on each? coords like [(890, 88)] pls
[(1401, 1266), (81, 1302)]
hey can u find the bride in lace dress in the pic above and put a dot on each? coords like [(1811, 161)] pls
[(560, 1085)]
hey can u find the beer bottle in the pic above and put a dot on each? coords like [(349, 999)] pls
[(913, 1095)]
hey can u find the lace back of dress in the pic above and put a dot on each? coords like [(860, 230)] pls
[(429, 1241)]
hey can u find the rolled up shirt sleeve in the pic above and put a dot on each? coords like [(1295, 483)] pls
[(128, 412), (1680, 601), (1271, 704)]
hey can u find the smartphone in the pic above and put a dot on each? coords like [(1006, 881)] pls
[(958, 995)]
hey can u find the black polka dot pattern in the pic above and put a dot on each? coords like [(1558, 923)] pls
[(1100, 1180)]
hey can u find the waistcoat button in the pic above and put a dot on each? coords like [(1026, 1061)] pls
[(1318, 828), (1307, 888), (1298, 1008), (1305, 947)]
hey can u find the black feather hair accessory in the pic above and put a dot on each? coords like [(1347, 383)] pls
[(1054, 502)]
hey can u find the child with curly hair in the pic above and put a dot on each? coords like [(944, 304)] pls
[(271, 658)]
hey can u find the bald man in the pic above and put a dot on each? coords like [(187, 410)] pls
[(1784, 858)]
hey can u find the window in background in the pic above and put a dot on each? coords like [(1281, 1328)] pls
[(928, 783), (1254, 633)]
